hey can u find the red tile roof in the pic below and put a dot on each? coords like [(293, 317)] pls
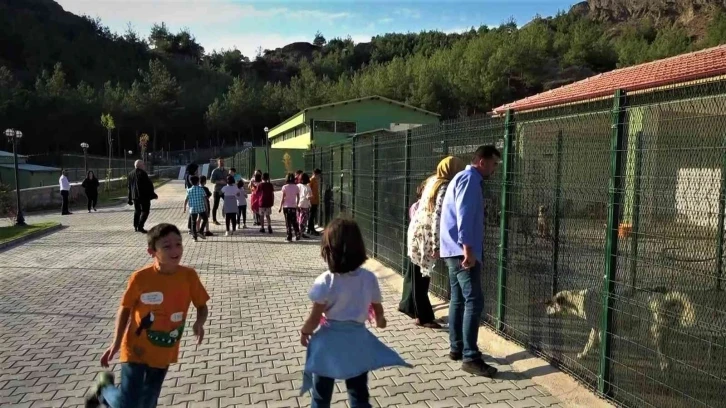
[(682, 68)]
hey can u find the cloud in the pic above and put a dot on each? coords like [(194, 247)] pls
[(408, 13), (184, 12), (386, 20)]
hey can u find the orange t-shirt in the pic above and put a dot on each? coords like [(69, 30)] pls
[(159, 305), (315, 186)]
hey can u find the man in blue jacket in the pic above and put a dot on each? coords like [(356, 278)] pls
[(462, 241)]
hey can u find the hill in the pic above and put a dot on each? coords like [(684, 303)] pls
[(59, 71)]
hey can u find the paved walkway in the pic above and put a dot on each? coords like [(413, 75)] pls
[(59, 294)]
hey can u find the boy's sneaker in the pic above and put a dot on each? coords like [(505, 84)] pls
[(93, 398), (269, 230), (262, 230), (226, 234), (208, 234), (479, 367)]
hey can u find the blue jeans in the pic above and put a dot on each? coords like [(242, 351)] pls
[(140, 387), (465, 307), (357, 391)]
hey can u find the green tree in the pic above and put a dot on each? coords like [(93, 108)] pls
[(159, 97), (319, 40), (108, 123)]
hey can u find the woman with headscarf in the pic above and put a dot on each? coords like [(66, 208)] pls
[(423, 243)]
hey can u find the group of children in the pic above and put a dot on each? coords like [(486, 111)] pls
[(153, 311)]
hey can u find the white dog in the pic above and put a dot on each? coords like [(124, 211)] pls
[(585, 304)]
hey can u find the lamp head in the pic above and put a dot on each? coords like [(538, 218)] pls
[(267, 129)]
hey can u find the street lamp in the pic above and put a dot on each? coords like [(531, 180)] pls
[(13, 136), (84, 146), (267, 149), (131, 153)]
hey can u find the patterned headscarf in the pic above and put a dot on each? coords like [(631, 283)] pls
[(445, 171)]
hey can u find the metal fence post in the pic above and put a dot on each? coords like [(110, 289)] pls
[(721, 215), (406, 198), (556, 214), (374, 181), (331, 177), (341, 207), (510, 129), (617, 154), (352, 175)]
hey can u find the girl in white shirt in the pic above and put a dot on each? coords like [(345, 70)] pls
[(230, 193), (303, 207), (343, 295), (242, 204)]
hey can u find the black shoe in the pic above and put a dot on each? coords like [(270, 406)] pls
[(269, 230), (289, 238), (93, 399), (315, 233), (143, 231), (306, 236), (455, 356), (479, 367), (95, 209), (262, 230), (208, 234)]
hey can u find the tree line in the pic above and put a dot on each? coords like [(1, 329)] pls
[(58, 79)]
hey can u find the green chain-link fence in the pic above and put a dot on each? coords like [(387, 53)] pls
[(617, 204)]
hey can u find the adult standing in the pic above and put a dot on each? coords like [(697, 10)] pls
[(191, 170), (462, 243), (65, 190), (90, 186), (423, 244), (219, 179), (314, 201), (141, 192)]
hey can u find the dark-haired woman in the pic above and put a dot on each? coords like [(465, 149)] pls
[(90, 186)]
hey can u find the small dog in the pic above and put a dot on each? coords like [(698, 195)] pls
[(543, 222), (585, 304)]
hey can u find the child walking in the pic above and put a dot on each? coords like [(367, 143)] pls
[(303, 205), (266, 202), (290, 198), (256, 180), (343, 296), (242, 204), (203, 183), (198, 206), (231, 193), (150, 323)]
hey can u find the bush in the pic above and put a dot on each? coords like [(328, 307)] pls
[(7, 203)]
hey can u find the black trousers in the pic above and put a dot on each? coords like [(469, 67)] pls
[(291, 221), (92, 199), (415, 297), (230, 219), (242, 215), (193, 221), (313, 218), (217, 197), (64, 202), (141, 213)]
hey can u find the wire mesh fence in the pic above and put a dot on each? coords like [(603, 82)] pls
[(612, 209)]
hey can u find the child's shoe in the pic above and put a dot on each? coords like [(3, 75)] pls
[(226, 234), (269, 230), (244, 226), (262, 230), (297, 238), (208, 234), (93, 398), (289, 238)]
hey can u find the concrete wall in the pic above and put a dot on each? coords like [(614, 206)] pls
[(40, 198)]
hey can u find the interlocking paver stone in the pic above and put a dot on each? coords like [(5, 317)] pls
[(59, 295)]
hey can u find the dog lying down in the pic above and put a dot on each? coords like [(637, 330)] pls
[(662, 303)]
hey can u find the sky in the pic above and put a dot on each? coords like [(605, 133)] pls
[(269, 24)]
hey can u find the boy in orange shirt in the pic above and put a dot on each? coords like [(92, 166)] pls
[(150, 323)]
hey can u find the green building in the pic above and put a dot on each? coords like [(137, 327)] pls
[(30, 175), (334, 122)]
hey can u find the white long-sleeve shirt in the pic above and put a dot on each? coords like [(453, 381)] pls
[(65, 185)]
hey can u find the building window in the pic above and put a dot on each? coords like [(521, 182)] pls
[(345, 127), (290, 134), (324, 126)]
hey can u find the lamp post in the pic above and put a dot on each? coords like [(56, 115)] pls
[(84, 146), (267, 150), (13, 136)]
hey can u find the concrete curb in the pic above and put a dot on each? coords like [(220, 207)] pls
[(29, 237), (560, 385)]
